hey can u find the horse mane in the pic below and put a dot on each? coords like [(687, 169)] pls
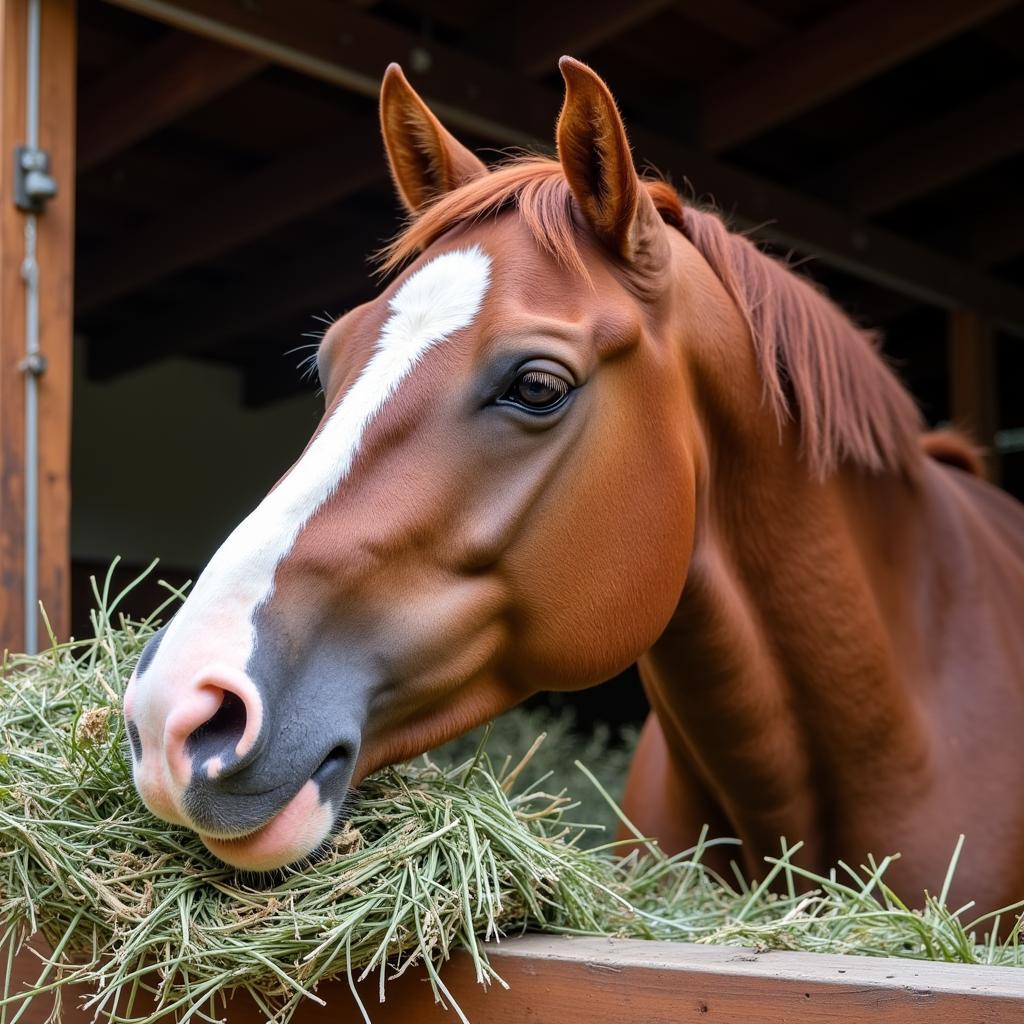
[(818, 367)]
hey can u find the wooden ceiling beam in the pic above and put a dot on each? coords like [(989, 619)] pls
[(159, 84), (350, 48), (832, 56), (294, 185), (932, 153)]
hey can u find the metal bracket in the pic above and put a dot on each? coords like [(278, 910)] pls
[(34, 364), (34, 186)]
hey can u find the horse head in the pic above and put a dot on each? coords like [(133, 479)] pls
[(498, 499)]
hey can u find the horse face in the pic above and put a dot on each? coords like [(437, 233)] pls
[(495, 502)]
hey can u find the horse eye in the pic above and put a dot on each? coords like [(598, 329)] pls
[(537, 391)]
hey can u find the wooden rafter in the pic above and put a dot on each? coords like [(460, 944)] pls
[(161, 83), (474, 95), (860, 41), (295, 184), (934, 152)]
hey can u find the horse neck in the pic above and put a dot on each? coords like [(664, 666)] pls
[(785, 664)]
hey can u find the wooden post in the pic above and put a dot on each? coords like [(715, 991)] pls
[(972, 381), (54, 255)]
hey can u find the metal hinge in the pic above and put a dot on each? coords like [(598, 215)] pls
[(34, 186)]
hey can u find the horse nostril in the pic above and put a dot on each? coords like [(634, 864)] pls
[(214, 728), (219, 736), (330, 765)]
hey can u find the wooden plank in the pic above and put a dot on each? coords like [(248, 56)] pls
[(55, 241), (176, 74), (350, 48), (555, 980), (293, 185), (846, 48), (972, 381), (12, 337), (931, 153)]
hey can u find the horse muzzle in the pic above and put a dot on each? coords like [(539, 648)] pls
[(261, 784)]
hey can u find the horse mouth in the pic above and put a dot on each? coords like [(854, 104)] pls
[(290, 836)]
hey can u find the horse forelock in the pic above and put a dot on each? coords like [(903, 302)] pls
[(816, 364)]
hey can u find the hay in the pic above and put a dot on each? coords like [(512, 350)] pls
[(436, 855)]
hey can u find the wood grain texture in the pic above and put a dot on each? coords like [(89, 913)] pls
[(555, 980), (13, 29)]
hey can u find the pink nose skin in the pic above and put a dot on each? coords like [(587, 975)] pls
[(238, 726)]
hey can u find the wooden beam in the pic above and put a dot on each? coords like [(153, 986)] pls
[(295, 184), (552, 979), (164, 81), (742, 23), (861, 40), (350, 48), (972, 381), (54, 259), (935, 152)]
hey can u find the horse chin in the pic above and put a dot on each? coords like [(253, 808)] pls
[(292, 835)]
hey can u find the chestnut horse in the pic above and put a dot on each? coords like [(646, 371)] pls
[(584, 426)]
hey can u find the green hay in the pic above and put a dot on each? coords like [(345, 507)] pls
[(440, 854)]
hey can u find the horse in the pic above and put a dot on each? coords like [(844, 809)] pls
[(583, 426)]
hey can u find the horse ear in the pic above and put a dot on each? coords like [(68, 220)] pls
[(597, 161), (426, 160)]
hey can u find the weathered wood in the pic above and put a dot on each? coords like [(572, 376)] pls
[(350, 48), (846, 48), (164, 81), (54, 252), (933, 152), (554, 980), (972, 380)]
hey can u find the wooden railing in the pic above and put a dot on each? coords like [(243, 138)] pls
[(555, 980)]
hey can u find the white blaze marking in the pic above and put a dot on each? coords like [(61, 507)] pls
[(216, 622)]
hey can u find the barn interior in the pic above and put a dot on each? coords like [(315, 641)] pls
[(231, 186)]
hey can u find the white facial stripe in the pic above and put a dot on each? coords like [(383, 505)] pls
[(216, 622)]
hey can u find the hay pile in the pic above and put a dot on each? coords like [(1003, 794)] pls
[(436, 855)]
